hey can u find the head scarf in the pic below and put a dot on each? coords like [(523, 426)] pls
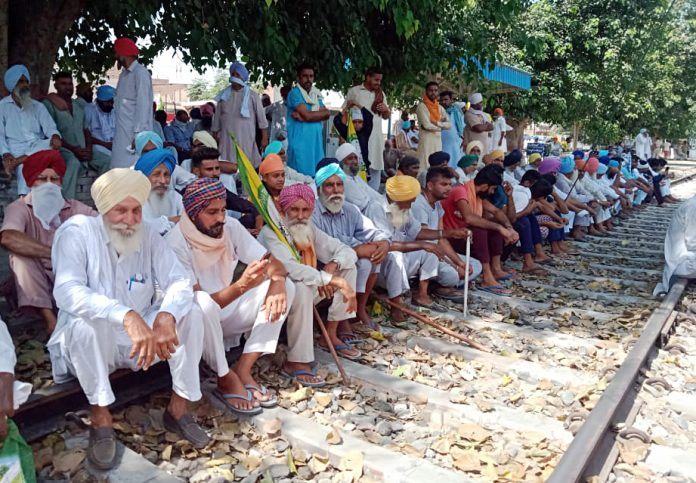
[(549, 165), (604, 159), (270, 164), (238, 68), (116, 185), (200, 193), (578, 153), (205, 138), (126, 47), (534, 158), (147, 163), (643, 164), (105, 93), (406, 125), (602, 169), (475, 98), (345, 150), (592, 165), (13, 74), (613, 164), (567, 164), (438, 157), (274, 147), (603, 152), (291, 194), (643, 130), (474, 144), (326, 162), (402, 188), (34, 165), (143, 137), (467, 160), (497, 111), (326, 172)]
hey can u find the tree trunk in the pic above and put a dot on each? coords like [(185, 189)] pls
[(515, 138), (4, 27), (37, 29)]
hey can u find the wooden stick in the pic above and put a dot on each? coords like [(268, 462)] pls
[(330, 345), (432, 323)]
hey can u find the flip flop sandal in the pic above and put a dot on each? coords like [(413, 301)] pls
[(269, 403), (350, 338), (243, 412), (454, 296), (545, 262), (343, 347), (538, 271), (312, 373), (435, 307), (496, 290)]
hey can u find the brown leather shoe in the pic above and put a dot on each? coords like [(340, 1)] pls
[(101, 451), (188, 428)]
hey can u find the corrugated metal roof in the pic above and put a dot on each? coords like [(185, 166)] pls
[(505, 74)]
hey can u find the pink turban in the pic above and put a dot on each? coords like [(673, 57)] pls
[(292, 193), (200, 193), (592, 165), (550, 165)]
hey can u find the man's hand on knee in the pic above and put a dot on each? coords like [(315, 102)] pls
[(143, 339), (166, 339)]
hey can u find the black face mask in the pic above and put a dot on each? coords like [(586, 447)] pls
[(104, 107)]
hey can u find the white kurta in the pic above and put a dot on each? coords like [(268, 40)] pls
[(95, 288), (365, 98), (643, 147), (500, 126), (157, 210), (431, 134), (8, 359), (680, 246), (359, 193), (133, 110)]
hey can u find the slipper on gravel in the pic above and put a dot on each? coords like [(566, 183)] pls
[(270, 403), (224, 396), (496, 290), (311, 373)]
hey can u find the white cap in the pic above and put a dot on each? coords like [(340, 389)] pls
[(345, 150), (475, 98)]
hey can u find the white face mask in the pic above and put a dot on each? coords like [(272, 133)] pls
[(47, 201)]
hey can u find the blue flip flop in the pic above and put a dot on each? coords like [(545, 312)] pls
[(495, 290), (300, 372), (243, 412), (270, 403)]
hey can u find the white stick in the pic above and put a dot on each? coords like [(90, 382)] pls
[(466, 275)]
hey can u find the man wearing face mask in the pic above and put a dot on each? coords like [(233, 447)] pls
[(28, 229), (100, 120), (133, 105)]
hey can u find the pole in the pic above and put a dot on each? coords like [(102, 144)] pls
[(466, 275), (330, 345)]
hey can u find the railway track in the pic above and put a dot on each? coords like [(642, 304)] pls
[(567, 392)]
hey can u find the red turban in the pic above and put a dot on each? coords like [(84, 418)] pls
[(290, 194), (34, 165), (126, 47), (592, 165)]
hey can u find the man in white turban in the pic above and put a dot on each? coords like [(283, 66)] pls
[(357, 191), (124, 301), (479, 125)]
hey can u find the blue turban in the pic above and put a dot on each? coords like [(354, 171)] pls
[(239, 68), (602, 169), (328, 171), (274, 147), (105, 93), (149, 161), (604, 160), (406, 125), (567, 164), (578, 153), (603, 152), (438, 157), (142, 138), (326, 162), (613, 164), (13, 75)]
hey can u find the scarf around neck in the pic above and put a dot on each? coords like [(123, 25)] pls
[(433, 109), (312, 97), (207, 251)]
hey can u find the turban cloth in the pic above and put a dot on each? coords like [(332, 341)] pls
[(602, 169), (592, 165), (13, 75), (438, 157), (498, 111), (200, 193), (326, 162), (126, 47), (293, 193), (150, 160), (34, 165), (578, 153), (604, 152), (356, 114), (643, 130), (604, 159), (142, 138), (328, 171), (105, 93), (274, 147), (567, 164), (497, 154), (402, 188), (238, 68), (205, 139), (549, 165), (406, 125), (613, 164), (345, 150), (515, 154), (534, 158), (467, 160), (642, 163), (271, 163), (474, 144), (116, 185), (475, 98)]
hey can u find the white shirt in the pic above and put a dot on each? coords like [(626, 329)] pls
[(185, 177), (8, 359), (499, 126), (521, 196), (605, 184), (22, 131), (359, 193), (365, 98), (133, 112), (643, 146), (94, 283), (680, 245), (157, 210), (509, 176)]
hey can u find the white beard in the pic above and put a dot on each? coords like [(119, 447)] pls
[(160, 204), (300, 231), (398, 216), (24, 97), (333, 203), (125, 239)]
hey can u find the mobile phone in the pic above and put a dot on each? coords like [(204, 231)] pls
[(266, 256)]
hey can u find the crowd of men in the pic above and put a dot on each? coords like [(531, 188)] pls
[(154, 272)]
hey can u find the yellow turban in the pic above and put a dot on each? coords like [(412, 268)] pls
[(205, 139), (474, 144), (403, 188), (118, 184), (534, 158), (496, 153)]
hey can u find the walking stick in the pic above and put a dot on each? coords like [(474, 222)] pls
[(330, 345), (466, 275)]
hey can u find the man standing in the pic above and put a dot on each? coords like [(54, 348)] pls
[(77, 149), (28, 229), (164, 206), (133, 103), (179, 133), (26, 127), (306, 113), (370, 95), (432, 119), (452, 137), (239, 112), (278, 112), (478, 123), (108, 271), (643, 145), (101, 120), (500, 130)]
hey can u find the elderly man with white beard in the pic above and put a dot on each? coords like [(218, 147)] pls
[(26, 127), (163, 207), (111, 273), (357, 191), (343, 221), (334, 279)]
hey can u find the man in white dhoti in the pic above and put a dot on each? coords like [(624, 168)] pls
[(133, 106), (680, 246), (334, 280), (163, 207), (432, 119), (209, 245), (357, 191), (110, 273)]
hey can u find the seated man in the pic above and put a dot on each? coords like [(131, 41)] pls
[(77, 143), (680, 246), (12, 393), (101, 120), (334, 279), (344, 222), (108, 272), (291, 176), (146, 141), (179, 133), (26, 127), (28, 229), (209, 244), (467, 206), (163, 207), (438, 159), (203, 139), (205, 164), (409, 166), (357, 191)]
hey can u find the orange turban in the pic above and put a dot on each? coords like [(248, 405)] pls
[(592, 165), (271, 163)]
